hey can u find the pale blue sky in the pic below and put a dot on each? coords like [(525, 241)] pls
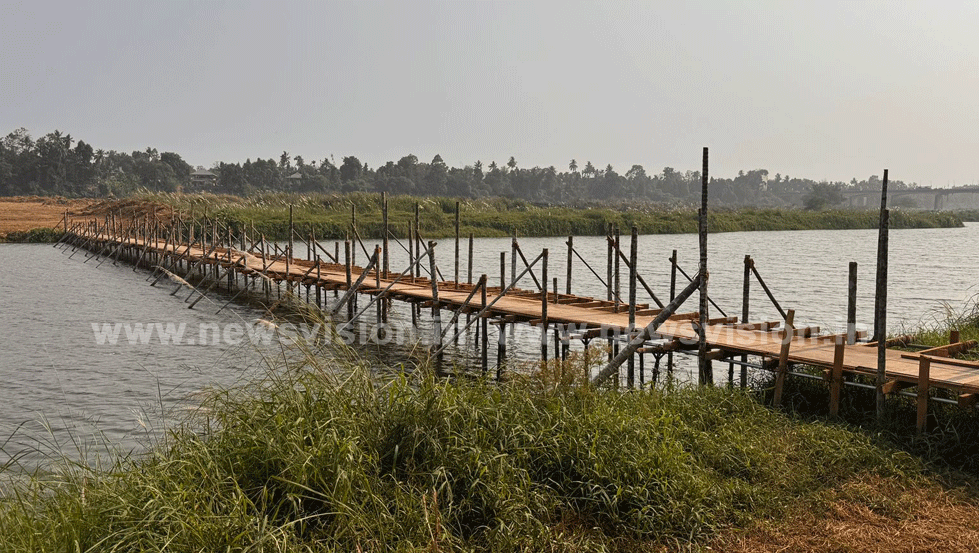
[(826, 90)]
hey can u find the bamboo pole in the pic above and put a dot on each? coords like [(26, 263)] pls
[(706, 370), (633, 258), (613, 366), (788, 332), (836, 379), (880, 311), (851, 305), (484, 357), (543, 307), (436, 311), (745, 310), (924, 384)]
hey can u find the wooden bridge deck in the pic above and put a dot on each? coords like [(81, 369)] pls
[(589, 315)]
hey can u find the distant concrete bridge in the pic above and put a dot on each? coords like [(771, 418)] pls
[(859, 198)]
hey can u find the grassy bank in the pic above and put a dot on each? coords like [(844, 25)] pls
[(329, 216), (33, 236), (952, 442), (324, 458)]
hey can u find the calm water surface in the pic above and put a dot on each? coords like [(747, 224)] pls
[(62, 390)]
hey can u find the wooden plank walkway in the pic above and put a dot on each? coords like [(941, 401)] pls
[(960, 377)]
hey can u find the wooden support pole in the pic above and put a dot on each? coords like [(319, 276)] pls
[(319, 281), (633, 258), (612, 368), (673, 267), (608, 281), (348, 262), (543, 307), (436, 311), (836, 380), (924, 384), (377, 285), (618, 279), (851, 305), (484, 357), (567, 287), (502, 270), (384, 230), (706, 370), (469, 272), (513, 256), (501, 350), (880, 310), (745, 313), (787, 333)]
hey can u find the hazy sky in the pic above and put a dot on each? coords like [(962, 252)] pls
[(826, 90)]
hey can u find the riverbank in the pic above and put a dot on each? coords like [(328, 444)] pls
[(324, 457), (36, 219), (329, 216)]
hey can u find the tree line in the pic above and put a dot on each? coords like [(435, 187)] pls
[(57, 164)]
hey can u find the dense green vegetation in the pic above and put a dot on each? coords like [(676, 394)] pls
[(326, 458), (329, 216), (56, 164), (37, 235), (954, 432)]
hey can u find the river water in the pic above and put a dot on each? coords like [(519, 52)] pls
[(63, 391)]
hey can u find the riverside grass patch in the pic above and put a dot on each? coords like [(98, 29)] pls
[(322, 457), (328, 216)]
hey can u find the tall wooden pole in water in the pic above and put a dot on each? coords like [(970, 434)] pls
[(851, 305), (706, 370), (291, 231), (880, 305), (633, 258)]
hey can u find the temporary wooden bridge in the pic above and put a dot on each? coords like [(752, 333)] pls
[(211, 254)]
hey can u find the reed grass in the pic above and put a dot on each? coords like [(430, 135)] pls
[(949, 444), (328, 456), (328, 216)]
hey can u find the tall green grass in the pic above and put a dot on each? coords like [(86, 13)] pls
[(329, 216), (952, 439), (320, 456)]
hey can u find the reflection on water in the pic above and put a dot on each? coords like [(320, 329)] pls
[(62, 387)]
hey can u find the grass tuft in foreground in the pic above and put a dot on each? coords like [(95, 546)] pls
[(327, 458)]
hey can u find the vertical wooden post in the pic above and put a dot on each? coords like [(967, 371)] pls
[(633, 258), (836, 379), (292, 229), (455, 278), (543, 307), (513, 256), (348, 262), (319, 284), (673, 259), (706, 370), (469, 272), (377, 284), (745, 313), (502, 271), (851, 305), (567, 287), (954, 336), (924, 383), (617, 258), (436, 311), (783, 357), (484, 358), (880, 311), (384, 230), (608, 282)]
